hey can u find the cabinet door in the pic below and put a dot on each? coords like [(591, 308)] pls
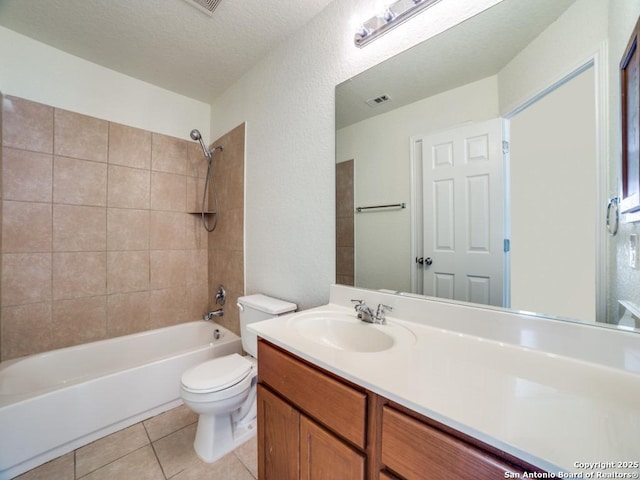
[(324, 457), (278, 438)]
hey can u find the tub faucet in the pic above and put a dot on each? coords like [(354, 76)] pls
[(366, 314), (212, 314)]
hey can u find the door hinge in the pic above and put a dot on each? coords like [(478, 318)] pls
[(507, 245), (505, 146)]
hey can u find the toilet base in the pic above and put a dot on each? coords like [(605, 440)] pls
[(216, 436)]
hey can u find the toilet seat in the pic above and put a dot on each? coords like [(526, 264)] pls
[(216, 374)]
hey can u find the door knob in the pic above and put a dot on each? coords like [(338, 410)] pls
[(428, 261)]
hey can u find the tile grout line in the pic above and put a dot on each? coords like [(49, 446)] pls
[(243, 464), (153, 449)]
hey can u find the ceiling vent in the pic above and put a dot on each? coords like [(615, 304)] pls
[(374, 102), (205, 6)]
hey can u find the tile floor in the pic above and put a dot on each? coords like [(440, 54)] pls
[(160, 448)]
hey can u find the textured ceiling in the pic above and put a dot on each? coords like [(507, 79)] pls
[(167, 43)]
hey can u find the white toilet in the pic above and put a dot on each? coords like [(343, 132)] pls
[(223, 390)]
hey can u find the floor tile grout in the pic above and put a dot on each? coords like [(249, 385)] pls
[(169, 449)]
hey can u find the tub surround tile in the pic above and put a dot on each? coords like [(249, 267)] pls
[(197, 271), (127, 229), (168, 192), (79, 182), (129, 146), (128, 271), (168, 154), (78, 320), (80, 136), (198, 301), (196, 161), (95, 218), (168, 307), (195, 234), (228, 166), (230, 182), (226, 257), (167, 231), (109, 449), (26, 329), (139, 465), (26, 278), (79, 274), (128, 313), (27, 125), (230, 225), (27, 176), (168, 268), (61, 468), (168, 422), (195, 189), (79, 228), (129, 187), (17, 239)]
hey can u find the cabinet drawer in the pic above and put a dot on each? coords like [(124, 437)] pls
[(415, 450), (332, 403)]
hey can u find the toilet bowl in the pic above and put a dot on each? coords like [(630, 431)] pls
[(222, 391), (214, 389)]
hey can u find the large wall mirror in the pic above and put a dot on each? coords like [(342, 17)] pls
[(474, 166)]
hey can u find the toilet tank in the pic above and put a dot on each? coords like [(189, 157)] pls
[(254, 308)]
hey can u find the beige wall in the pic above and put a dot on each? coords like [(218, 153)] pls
[(96, 238), (42, 73)]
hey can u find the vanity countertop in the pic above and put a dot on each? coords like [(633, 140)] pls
[(560, 413)]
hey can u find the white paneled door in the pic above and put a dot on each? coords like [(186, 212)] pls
[(463, 213)]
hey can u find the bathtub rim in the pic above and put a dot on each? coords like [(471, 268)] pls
[(7, 399)]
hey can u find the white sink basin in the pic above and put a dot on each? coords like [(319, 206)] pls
[(342, 331)]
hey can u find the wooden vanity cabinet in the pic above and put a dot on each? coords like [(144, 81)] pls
[(313, 425)]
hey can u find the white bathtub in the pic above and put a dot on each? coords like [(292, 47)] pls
[(54, 402)]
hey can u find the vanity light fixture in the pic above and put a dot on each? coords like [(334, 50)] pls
[(393, 15)]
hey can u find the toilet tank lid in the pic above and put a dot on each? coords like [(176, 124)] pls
[(267, 304)]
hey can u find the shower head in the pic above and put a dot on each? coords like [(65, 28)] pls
[(195, 135)]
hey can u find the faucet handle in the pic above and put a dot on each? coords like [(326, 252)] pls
[(382, 309), (363, 310), (359, 304)]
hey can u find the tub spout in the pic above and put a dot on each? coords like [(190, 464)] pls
[(212, 314)]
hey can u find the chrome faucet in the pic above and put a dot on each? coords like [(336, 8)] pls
[(366, 314), (212, 314)]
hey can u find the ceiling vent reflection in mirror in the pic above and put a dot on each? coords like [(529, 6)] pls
[(374, 102), (205, 6)]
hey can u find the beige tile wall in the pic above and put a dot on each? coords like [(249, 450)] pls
[(96, 237), (226, 242), (345, 255)]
